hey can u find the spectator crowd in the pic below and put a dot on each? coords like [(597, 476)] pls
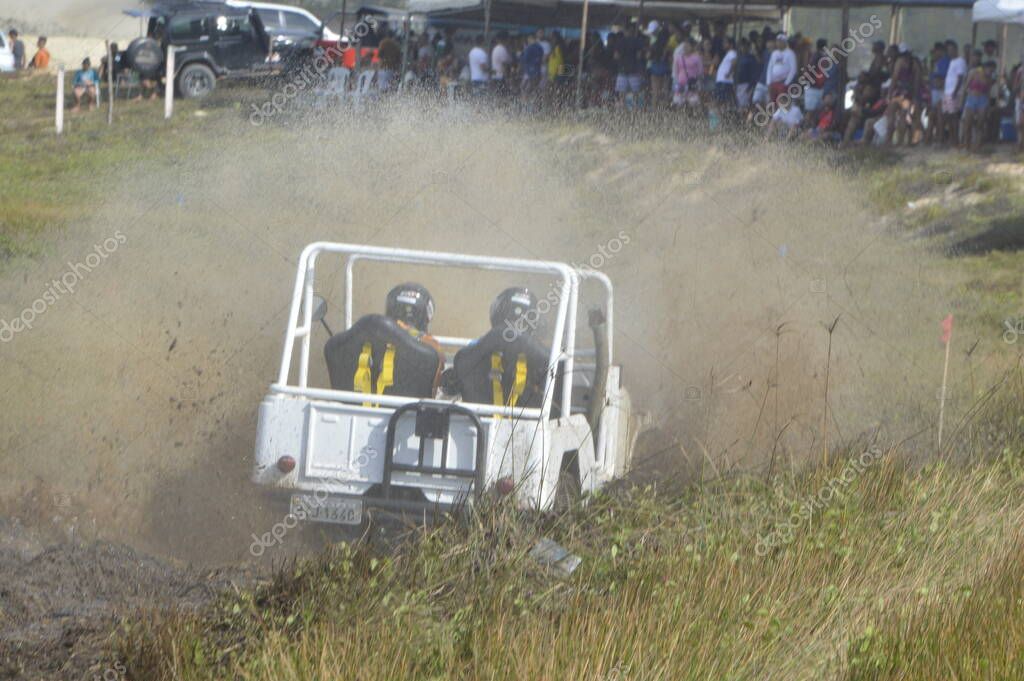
[(790, 86)]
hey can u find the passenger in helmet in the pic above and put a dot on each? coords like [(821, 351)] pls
[(506, 366), (514, 311)]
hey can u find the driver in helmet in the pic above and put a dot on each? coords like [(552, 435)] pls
[(412, 307)]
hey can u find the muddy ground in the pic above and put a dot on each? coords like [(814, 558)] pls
[(61, 599), (147, 379)]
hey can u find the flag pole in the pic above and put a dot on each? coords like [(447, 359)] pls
[(947, 334)]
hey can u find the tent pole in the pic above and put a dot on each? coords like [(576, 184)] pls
[(406, 24), (845, 32), (739, 21), (583, 50), (892, 24), (974, 36), (1003, 45), (487, 24), (787, 21), (642, 22), (899, 25)]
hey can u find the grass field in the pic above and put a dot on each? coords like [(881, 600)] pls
[(871, 565)]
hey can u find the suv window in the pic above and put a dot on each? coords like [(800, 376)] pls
[(271, 18), (188, 28), (300, 22), (233, 25)]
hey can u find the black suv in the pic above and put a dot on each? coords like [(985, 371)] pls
[(211, 40)]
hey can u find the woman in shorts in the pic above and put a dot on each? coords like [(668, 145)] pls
[(979, 84)]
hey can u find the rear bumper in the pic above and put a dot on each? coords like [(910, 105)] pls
[(371, 502)]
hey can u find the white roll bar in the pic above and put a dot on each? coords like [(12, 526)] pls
[(562, 347)]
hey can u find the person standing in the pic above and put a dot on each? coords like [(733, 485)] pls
[(479, 70), (937, 83), (630, 59), (978, 85), (41, 59), (952, 91), (688, 70), (781, 68), (747, 71), (530, 63), (815, 90), (501, 64), (725, 92), (17, 49), (389, 54)]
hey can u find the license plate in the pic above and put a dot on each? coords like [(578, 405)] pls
[(326, 509)]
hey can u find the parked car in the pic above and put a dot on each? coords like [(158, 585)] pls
[(6, 55), (212, 40), (288, 25)]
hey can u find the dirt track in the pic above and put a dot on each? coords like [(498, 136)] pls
[(135, 417), (60, 600)]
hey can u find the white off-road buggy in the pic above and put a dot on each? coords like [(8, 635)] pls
[(334, 453)]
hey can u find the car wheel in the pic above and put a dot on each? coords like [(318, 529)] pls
[(196, 81)]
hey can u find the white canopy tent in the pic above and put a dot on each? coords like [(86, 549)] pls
[(998, 11), (1004, 12)]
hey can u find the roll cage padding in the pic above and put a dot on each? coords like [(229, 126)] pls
[(415, 362), (473, 368)]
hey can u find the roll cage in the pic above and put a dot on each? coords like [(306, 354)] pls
[(563, 343)]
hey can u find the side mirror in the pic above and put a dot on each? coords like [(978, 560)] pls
[(319, 308)]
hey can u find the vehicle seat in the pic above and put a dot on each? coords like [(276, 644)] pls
[(415, 364), (476, 370)]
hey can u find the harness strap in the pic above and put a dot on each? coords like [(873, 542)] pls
[(496, 371), (362, 381), (518, 384), (387, 370)]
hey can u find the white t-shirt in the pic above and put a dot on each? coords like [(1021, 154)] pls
[(724, 74), (478, 65), (957, 68), (782, 66), (500, 59), (791, 117), (546, 46)]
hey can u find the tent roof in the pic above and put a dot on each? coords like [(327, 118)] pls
[(838, 4), (602, 12)]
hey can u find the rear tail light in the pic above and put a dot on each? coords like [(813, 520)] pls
[(286, 464)]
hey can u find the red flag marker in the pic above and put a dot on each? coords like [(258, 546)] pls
[(947, 328), (947, 333)]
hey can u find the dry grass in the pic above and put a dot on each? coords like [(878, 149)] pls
[(902, 574)]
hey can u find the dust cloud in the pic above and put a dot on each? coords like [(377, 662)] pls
[(131, 402)]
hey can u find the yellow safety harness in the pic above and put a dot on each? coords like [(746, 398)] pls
[(518, 385), (363, 380)]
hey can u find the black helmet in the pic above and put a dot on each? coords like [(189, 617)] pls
[(511, 307), (412, 304)]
